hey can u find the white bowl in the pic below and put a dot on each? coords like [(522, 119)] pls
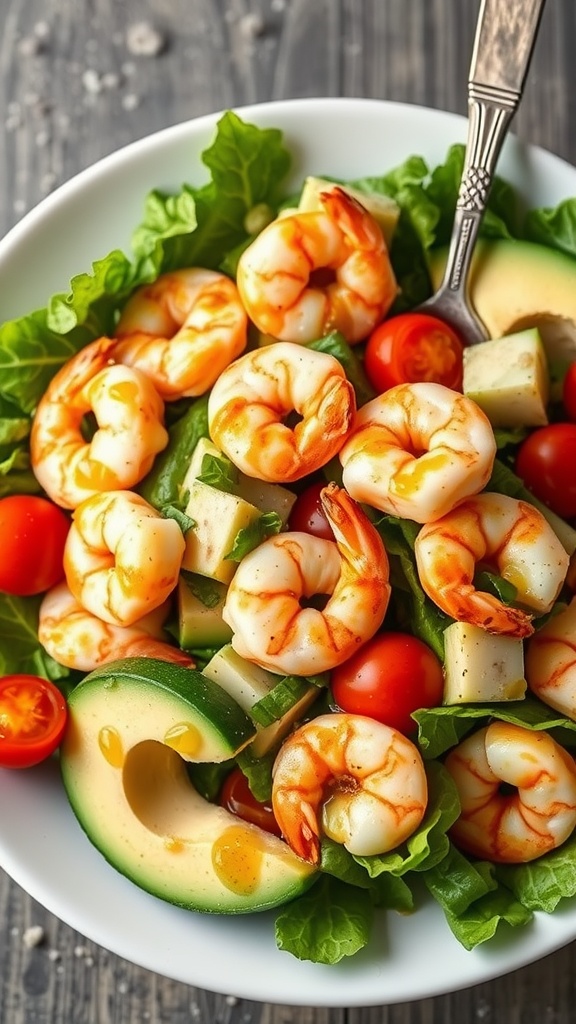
[(41, 845)]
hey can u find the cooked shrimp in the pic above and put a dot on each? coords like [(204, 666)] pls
[(251, 398), (520, 826), (417, 450), (276, 273), (74, 637), (505, 533), (364, 780), (550, 661), (129, 414), (122, 558), (182, 330), (263, 608)]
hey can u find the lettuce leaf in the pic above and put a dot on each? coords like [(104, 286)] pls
[(331, 921), (200, 226), (412, 608), (543, 883), (441, 728), (473, 900), (20, 652), (553, 226)]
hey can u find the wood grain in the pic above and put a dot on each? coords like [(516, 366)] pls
[(72, 91)]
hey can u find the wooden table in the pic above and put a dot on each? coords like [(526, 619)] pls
[(81, 78)]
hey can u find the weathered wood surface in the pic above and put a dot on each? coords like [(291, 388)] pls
[(72, 90)]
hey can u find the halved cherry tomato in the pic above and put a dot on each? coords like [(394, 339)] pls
[(308, 514), (33, 716), (413, 347), (569, 392), (391, 676), (236, 796), (546, 462), (33, 532)]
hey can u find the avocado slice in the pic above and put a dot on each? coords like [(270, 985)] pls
[(132, 725), (514, 285)]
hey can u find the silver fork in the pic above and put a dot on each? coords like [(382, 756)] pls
[(505, 36)]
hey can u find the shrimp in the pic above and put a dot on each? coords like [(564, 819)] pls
[(364, 780), (508, 534), (182, 330), (417, 450), (121, 558), (550, 661), (251, 398), (276, 273), (77, 639), (129, 414), (262, 606), (520, 826)]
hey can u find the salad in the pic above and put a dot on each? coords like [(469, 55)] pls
[(211, 227)]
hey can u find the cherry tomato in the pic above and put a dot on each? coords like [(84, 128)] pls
[(391, 676), (569, 392), (413, 347), (33, 716), (308, 514), (237, 798), (546, 462), (33, 532)]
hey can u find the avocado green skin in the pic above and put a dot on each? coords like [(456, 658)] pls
[(140, 809), (212, 704)]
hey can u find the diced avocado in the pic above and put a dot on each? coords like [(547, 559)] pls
[(383, 209), (131, 724), (218, 517), (204, 447), (245, 682), (265, 496), (481, 666), (200, 624), (249, 684), (508, 378), (515, 285)]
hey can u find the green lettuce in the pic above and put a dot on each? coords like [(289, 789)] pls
[(474, 902), (441, 728), (331, 921)]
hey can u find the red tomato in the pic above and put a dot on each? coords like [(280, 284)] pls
[(413, 347), (391, 676), (33, 716), (569, 392), (308, 514), (33, 532), (237, 798), (546, 462)]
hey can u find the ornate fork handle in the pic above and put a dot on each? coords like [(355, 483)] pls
[(505, 38)]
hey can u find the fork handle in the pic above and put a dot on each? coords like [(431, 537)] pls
[(505, 37)]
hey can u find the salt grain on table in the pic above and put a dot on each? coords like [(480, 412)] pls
[(144, 40)]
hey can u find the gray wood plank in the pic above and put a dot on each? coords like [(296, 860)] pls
[(73, 91)]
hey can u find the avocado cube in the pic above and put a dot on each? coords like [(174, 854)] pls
[(218, 517), (247, 684), (508, 378), (383, 209), (204, 447), (200, 624), (480, 666), (267, 497)]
